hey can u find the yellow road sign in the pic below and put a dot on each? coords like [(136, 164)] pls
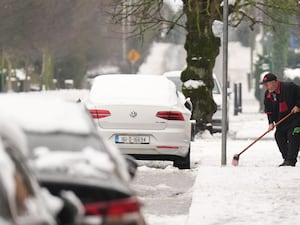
[(133, 56)]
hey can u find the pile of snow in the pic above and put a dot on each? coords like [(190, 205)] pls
[(292, 73), (88, 162)]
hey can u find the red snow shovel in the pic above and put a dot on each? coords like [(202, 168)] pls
[(236, 157)]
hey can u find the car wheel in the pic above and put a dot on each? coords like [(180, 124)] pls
[(184, 163), (193, 131)]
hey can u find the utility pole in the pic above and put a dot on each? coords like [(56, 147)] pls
[(225, 75)]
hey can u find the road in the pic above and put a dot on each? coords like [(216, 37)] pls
[(165, 191)]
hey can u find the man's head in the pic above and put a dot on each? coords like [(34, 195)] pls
[(270, 82)]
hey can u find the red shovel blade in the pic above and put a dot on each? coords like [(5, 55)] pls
[(235, 160)]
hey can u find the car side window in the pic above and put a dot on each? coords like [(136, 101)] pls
[(22, 192), (216, 89)]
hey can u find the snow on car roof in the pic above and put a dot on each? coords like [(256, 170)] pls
[(41, 113), (136, 89), (88, 162)]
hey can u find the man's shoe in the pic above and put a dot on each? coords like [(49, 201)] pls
[(288, 163)]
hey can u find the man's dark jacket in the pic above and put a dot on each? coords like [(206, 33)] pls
[(287, 96)]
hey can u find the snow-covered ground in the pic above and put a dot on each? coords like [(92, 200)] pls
[(256, 191)]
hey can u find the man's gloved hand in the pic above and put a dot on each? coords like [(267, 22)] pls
[(296, 131), (271, 126), (296, 109)]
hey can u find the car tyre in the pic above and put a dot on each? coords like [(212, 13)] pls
[(184, 163), (193, 131)]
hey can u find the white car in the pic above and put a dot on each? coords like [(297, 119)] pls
[(217, 116), (217, 96), (142, 115)]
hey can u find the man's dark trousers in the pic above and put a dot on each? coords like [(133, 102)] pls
[(288, 143)]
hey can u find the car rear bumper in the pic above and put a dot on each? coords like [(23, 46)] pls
[(163, 145), (149, 152), (157, 157)]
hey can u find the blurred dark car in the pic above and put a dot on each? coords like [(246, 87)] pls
[(68, 153), (21, 199)]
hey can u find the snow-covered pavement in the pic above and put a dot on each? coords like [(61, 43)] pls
[(256, 191)]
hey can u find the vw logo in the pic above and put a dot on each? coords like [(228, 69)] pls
[(133, 114)]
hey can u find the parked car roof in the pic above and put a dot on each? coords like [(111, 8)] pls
[(24, 109), (139, 89)]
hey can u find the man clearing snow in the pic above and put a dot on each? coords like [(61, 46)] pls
[(281, 98)]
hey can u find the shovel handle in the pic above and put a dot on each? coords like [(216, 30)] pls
[(261, 136)]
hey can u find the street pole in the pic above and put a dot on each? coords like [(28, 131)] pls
[(225, 74), (251, 59)]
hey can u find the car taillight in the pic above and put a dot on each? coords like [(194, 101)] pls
[(126, 211), (118, 207), (99, 113), (170, 115)]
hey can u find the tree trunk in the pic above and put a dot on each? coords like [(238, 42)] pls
[(47, 71), (280, 45), (202, 48)]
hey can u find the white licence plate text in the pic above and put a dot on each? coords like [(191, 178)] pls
[(133, 139)]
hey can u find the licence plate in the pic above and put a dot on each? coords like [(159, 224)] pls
[(132, 139)]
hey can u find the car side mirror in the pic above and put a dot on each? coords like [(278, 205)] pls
[(188, 104)]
